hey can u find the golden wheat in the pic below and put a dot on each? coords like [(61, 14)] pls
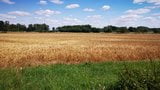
[(32, 49)]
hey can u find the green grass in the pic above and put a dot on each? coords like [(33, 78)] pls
[(65, 77)]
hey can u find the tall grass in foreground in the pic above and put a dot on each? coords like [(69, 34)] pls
[(87, 76), (139, 79)]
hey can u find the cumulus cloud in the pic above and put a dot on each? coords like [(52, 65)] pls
[(151, 21), (56, 1), (95, 17), (42, 2), (46, 20), (7, 1), (148, 18), (138, 11), (138, 1), (88, 10), (19, 13), (126, 20), (131, 17), (153, 7), (6, 16), (138, 17), (106, 7), (156, 14), (157, 2), (95, 20), (71, 20), (47, 12), (39, 18), (71, 6)]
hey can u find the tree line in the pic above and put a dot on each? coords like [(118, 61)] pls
[(107, 29), (5, 26)]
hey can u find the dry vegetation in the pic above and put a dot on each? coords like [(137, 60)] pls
[(32, 49)]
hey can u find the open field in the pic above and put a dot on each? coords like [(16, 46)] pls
[(32, 49)]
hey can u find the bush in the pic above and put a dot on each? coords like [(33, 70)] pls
[(139, 79)]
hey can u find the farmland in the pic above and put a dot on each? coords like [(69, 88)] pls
[(34, 49)]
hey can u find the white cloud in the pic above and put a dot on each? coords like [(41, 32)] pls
[(6, 16), (19, 13), (126, 20), (71, 19), (156, 14), (71, 6), (106, 7), (7, 1), (153, 7), (88, 10), (138, 1), (138, 11), (151, 21), (47, 12), (39, 18), (95, 17), (138, 17), (156, 2), (42, 2), (95, 20), (46, 20), (131, 17), (148, 18), (56, 1)]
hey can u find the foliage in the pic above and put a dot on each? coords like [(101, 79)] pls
[(142, 29), (156, 30), (5, 26), (38, 27), (122, 30), (139, 79), (75, 28), (107, 29)]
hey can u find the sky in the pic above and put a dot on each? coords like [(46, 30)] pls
[(98, 13)]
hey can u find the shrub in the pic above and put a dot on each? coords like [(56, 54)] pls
[(139, 79)]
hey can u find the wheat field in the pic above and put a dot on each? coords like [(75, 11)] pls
[(33, 49)]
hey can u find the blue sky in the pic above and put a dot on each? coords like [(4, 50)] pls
[(97, 13)]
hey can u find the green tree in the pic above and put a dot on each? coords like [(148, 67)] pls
[(122, 30), (132, 29), (30, 28), (142, 29), (6, 26), (1, 26), (107, 29)]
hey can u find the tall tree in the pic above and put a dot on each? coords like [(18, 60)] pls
[(142, 29), (6, 26), (1, 26), (122, 30), (30, 28), (132, 29)]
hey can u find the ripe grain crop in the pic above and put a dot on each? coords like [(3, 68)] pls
[(32, 49)]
